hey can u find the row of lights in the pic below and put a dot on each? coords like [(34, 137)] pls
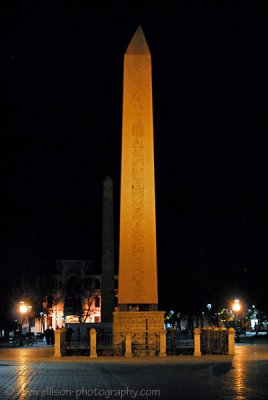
[(236, 306)]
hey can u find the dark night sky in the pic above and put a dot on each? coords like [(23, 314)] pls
[(63, 64)]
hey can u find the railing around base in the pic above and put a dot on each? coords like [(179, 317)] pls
[(214, 341), (170, 342), (145, 344), (106, 346), (179, 343), (77, 348)]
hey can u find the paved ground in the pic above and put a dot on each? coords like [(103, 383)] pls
[(34, 373)]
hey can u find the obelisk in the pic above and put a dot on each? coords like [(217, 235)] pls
[(107, 259), (137, 253), (137, 321)]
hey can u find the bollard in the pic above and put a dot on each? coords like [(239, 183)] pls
[(93, 343), (128, 352), (59, 342), (231, 334), (197, 346), (163, 344)]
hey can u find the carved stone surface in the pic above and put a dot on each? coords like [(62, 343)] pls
[(144, 327), (138, 332), (137, 260)]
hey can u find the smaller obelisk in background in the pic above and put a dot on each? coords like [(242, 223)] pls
[(107, 260)]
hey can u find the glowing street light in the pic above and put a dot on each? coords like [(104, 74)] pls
[(236, 305), (236, 309), (23, 310), (209, 307)]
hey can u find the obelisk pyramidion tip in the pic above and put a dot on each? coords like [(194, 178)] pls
[(138, 44)]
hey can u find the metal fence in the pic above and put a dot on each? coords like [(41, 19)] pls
[(214, 341), (106, 345), (77, 348), (179, 343), (145, 344)]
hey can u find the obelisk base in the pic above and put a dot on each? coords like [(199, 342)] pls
[(144, 327)]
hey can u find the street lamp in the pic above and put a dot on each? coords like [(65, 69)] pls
[(29, 319), (209, 306), (23, 307), (42, 322), (236, 309), (23, 310)]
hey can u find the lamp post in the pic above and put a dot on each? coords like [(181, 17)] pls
[(29, 309), (42, 322), (236, 309), (209, 306), (23, 310)]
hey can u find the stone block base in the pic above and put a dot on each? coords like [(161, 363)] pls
[(144, 327)]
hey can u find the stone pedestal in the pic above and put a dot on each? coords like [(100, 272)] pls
[(231, 334), (93, 343), (144, 328), (197, 343), (59, 342)]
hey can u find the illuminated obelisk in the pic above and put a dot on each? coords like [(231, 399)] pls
[(137, 253), (137, 318)]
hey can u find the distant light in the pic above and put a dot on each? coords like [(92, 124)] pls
[(253, 323), (236, 305), (23, 308), (209, 306), (171, 312)]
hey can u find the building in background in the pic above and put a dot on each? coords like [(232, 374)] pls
[(76, 297)]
